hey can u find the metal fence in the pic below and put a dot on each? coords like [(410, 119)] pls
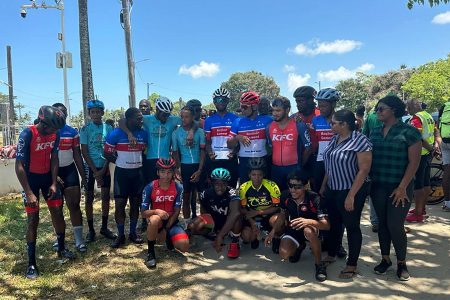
[(8, 134)]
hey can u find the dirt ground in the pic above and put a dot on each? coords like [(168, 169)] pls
[(203, 274)]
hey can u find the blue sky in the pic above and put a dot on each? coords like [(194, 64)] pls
[(193, 46)]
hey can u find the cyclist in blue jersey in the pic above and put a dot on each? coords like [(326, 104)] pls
[(70, 165), (196, 106), (128, 180), (92, 139), (37, 168), (217, 128), (249, 132), (190, 159)]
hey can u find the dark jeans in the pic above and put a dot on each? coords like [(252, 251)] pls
[(339, 216), (390, 218)]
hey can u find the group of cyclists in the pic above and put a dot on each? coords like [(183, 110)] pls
[(261, 176)]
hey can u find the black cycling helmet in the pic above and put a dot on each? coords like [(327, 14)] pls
[(52, 117), (305, 91), (328, 94), (193, 103), (257, 163)]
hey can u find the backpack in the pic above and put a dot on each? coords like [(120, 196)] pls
[(444, 123)]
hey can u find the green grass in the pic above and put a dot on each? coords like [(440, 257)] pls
[(98, 274)]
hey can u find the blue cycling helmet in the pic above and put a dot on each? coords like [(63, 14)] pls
[(95, 104)]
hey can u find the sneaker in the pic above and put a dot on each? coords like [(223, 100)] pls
[(119, 241), (414, 219), (382, 267), (341, 253), (233, 250), (108, 233), (55, 246), (298, 253), (135, 239), (321, 272), (276, 245), (151, 261), (90, 236), (445, 208), (402, 272), (413, 212), (375, 228), (32, 272), (254, 244), (66, 253)]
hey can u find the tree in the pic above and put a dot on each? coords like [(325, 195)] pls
[(355, 91), (177, 106), (114, 114), (422, 2), (250, 81), (85, 55), (77, 121), (389, 83), (152, 98), (431, 83), (4, 98)]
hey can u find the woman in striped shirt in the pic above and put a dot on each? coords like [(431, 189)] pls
[(347, 159)]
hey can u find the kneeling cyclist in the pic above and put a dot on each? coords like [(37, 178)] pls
[(161, 205), (37, 170), (301, 218), (220, 207), (259, 202)]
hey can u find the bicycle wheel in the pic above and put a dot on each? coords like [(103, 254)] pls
[(437, 193)]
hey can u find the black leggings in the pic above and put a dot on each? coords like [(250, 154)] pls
[(339, 216), (390, 218)]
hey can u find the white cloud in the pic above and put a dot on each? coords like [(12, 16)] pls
[(343, 73), (288, 68), (296, 80), (316, 47), (441, 19), (203, 69)]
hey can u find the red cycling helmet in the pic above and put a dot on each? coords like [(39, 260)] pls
[(249, 98), (163, 163)]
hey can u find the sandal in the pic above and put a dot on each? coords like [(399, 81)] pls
[(347, 274), (82, 248)]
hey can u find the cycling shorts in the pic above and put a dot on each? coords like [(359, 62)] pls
[(41, 183), (128, 183), (279, 175), (186, 172), (422, 178), (69, 176), (175, 233), (297, 236), (264, 221), (149, 170), (90, 180)]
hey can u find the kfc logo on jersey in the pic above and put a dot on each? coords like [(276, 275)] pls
[(44, 146), (165, 198), (283, 137)]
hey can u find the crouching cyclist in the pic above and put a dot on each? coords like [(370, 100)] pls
[(220, 207), (300, 220), (161, 205), (260, 198), (37, 170)]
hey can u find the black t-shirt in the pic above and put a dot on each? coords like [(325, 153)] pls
[(310, 208), (218, 206)]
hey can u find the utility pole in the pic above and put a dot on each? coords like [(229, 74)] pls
[(148, 90), (125, 13), (10, 84)]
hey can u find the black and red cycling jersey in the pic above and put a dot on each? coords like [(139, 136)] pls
[(35, 149)]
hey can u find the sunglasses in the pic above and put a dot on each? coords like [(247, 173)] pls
[(381, 108), (220, 100), (295, 186)]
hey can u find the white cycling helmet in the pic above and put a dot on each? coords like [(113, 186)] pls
[(221, 92), (328, 94), (164, 104)]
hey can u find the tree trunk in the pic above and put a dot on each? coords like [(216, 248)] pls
[(85, 55)]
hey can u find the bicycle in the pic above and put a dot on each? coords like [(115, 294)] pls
[(436, 195)]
